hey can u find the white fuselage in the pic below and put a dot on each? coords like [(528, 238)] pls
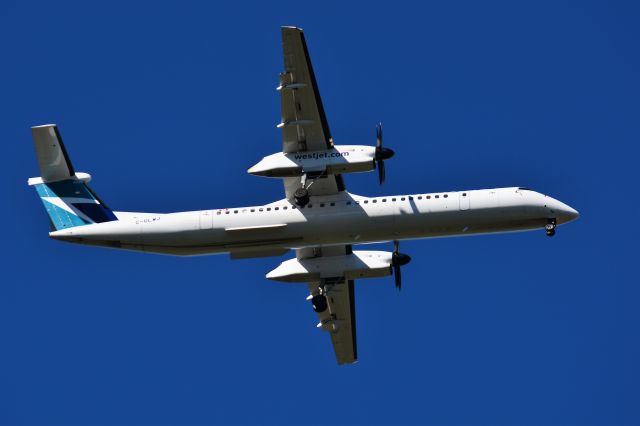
[(342, 219)]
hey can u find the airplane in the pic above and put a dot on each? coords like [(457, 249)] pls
[(317, 218)]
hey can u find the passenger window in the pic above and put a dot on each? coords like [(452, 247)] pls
[(410, 198), (374, 201), (402, 199), (235, 212), (309, 206), (261, 209), (268, 209), (437, 196), (284, 208), (428, 197), (253, 210), (333, 204), (227, 212), (464, 194), (393, 199), (218, 212), (348, 203), (446, 195), (384, 200), (366, 201), (321, 204), (419, 197)]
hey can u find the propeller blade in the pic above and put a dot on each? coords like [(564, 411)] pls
[(381, 172), (381, 154), (397, 261)]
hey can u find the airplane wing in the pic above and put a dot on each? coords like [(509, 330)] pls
[(305, 128), (338, 318), (304, 124)]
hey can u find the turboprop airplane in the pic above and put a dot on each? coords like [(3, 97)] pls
[(317, 218)]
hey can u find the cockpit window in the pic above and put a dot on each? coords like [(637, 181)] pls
[(524, 188)]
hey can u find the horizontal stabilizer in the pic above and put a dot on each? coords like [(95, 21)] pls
[(52, 156)]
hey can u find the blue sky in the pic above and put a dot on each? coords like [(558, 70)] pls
[(168, 104)]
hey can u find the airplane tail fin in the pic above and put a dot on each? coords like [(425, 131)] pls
[(66, 195)]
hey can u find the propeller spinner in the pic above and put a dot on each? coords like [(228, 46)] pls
[(381, 153)]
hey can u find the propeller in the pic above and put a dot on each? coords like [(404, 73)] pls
[(397, 260), (381, 153)]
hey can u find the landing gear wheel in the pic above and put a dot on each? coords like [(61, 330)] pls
[(301, 196), (550, 228), (319, 303)]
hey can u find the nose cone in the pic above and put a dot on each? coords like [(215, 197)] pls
[(567, 214), (563, 212)]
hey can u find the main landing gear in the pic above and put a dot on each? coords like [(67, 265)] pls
[(319, 302), (319, 298), (301, 195), (550, 227)]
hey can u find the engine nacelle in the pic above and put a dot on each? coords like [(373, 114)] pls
[(337, 160), (359, 264)]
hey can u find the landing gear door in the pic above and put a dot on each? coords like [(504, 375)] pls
[(464, 200)]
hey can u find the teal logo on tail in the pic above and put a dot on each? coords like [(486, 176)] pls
[(71, 203), (66, 196)]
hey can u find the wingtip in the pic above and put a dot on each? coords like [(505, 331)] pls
[(44, 125)]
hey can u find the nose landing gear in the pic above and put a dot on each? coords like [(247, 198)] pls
[(550, 227)]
